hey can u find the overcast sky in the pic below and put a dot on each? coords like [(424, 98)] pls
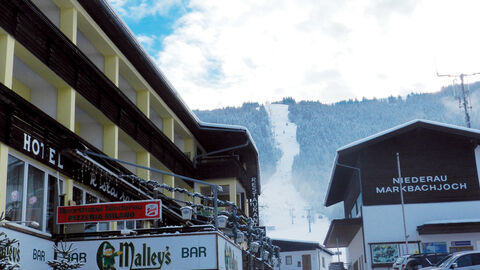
[(219, 53)]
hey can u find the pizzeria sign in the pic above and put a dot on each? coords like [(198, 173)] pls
[(112, 211)]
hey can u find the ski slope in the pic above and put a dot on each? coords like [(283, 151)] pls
[(280, 203)]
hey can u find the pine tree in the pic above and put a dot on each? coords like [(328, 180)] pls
[(6, 260), (63, 251)]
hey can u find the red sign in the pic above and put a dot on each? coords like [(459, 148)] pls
[(114, 211)]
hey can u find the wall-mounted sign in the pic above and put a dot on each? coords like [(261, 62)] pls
[(115, 211), (434, 247), (229, 255), (96, 180), (253, 203), (384, 253), (435, 168), (30, 252), (461, 243), (42, 151), (185, 251), (47, 149)]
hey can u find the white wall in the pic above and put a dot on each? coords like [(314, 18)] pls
[(179, 142), (90, 51), (42, 93), (383, 223), (156, 119), (126, 153), (89, 128), (327, 257), (50, 10), (355, 250), (315, 256), (127, 89)]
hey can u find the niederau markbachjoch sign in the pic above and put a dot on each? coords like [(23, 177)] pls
[(116, 211), (434, 168)]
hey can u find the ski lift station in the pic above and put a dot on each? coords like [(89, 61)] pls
[(410, 189), (98, 150)]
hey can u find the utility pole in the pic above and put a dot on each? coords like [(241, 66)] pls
[(309, 218), (463, 99), (402, 202)]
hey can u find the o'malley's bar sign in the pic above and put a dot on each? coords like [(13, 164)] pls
[(113, 211)]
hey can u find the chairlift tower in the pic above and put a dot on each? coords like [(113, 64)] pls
[(463, 98)]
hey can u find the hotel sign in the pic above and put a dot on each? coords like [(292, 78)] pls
[(116, 211)]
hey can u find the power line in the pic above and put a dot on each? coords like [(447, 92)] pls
[(463, 99)]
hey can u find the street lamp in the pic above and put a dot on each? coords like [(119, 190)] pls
[(222, 221), (265, 255), (240, 237), (187, 212), (254, 247)]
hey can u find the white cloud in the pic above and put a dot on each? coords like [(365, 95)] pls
[(146, 41), (139, 9), (223, 53)]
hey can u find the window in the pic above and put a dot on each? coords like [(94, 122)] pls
[(81, 196), (32, 194), (323, 262), (288, 260), (475, 258), (465, 260), (130, 224), (356, 208)]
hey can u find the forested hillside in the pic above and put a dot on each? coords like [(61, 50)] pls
[(255, 118), (322, 128)]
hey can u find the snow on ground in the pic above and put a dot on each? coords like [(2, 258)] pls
[(279, 199)]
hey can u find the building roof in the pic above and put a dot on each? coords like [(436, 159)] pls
[(298, 245), (346, 155), (449, 226), (341, 232)]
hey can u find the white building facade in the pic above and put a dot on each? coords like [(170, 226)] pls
[(440, 187), (303, 255)]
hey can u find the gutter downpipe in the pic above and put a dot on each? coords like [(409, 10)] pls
[(215, 188), (361, 208)]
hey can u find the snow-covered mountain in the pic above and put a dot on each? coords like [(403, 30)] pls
[(283, 210), (320, 129)]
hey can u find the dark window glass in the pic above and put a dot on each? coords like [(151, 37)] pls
[(77, 196), (130, 225), (35, 195), (89, 199), (475, 258), (15, 178), (52, 202), (120, 225), (465, 260)]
